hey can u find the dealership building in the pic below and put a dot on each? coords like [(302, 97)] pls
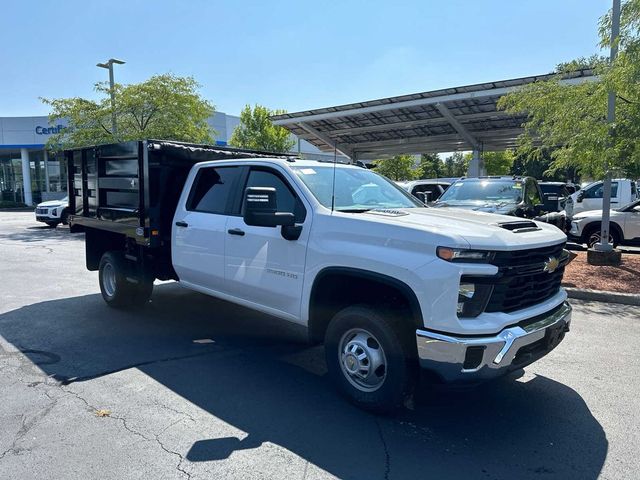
[(30, 174)]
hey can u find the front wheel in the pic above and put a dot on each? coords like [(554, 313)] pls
[(369, 358)]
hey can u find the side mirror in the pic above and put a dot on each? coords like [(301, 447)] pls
[(580, 197), (260, 209)]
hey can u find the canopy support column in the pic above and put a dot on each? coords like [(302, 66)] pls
[(476, 167)]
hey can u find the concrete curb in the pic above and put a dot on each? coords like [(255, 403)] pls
[(603, 296)]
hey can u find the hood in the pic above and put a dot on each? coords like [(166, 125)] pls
[(594, 214), (53, 203), (480, 230)]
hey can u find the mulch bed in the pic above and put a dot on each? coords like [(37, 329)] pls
[(622, 279)]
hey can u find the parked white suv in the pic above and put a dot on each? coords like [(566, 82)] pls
[(623, 229), (53, 212)]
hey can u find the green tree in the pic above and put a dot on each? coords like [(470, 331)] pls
[(431, 165), (398, 168), (163, 107), (495, 163), (256, 131), (456, 165), (538, 164), (570, 120)]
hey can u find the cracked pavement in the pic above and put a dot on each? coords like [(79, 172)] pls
[(253, 401)]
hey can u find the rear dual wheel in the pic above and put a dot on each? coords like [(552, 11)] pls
[(118, 286)]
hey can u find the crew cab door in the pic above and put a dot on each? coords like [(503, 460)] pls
[(199, 231), (262, 267)]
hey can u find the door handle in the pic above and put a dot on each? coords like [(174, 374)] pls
[(235, 231), (182, 224)]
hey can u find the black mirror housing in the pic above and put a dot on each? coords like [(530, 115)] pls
[(260, 209)]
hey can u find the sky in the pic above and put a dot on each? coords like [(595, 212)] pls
[(292, 55)]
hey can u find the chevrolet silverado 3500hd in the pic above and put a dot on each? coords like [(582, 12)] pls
[(387, 284)]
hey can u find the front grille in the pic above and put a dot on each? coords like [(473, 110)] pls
[(522, 280), (41, 211)]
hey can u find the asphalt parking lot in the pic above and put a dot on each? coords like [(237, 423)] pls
[(192, 387)]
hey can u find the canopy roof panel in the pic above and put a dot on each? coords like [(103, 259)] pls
[(460, 118)]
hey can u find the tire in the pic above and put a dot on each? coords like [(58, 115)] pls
[(357, 339), (52, 224), (592, 236), (65, 217), (116, 285)]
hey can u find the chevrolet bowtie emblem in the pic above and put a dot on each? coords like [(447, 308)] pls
[(551, 265)]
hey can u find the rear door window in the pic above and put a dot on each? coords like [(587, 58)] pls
[(213, 189)]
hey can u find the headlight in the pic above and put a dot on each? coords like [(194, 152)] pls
[(54, 212), (472, 298), (463, 255)]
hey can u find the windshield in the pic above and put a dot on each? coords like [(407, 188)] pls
[(495, 191), (629, 206), (356, 189)]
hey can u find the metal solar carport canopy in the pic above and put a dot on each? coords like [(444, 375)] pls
[(460, 118)]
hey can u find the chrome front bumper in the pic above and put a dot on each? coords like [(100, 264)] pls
[(471, 359)]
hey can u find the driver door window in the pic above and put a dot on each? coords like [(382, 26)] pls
[(287, 201)]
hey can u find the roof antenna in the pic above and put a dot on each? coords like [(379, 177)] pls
[(333, 186)]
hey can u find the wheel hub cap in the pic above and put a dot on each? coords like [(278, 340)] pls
[(362, 360), (109, 280)]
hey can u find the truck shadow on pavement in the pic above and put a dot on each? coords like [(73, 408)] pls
[(258, 377)]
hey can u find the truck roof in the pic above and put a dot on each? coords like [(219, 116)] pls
[(288, 162)]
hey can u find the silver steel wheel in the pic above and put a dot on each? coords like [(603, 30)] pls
[(109, 279), (362, 360)]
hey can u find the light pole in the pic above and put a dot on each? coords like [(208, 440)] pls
[(604, 245), (109, 66)]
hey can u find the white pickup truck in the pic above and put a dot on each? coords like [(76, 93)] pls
[(387, 284), (623, 192)]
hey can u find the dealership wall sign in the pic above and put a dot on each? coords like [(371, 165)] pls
[(49, 130)]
